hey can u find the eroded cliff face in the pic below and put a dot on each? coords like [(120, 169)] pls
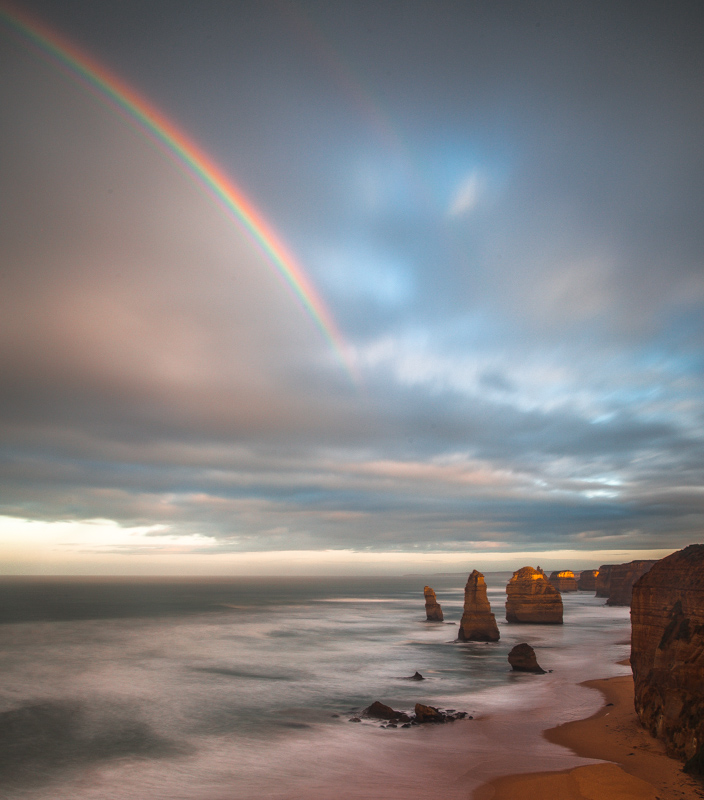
[(621, 581), (667, 651), (603, 580), (478, 624), (587, 580), (530, 598), (563, 581), (433, 611)]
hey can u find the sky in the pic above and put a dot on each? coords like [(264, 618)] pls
[(496, 204)]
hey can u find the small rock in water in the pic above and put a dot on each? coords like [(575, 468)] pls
[(355, 719), (522, 659)]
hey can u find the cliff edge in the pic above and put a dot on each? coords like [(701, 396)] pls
[(667, 651)]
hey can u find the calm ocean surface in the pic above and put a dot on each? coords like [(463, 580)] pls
[(228, 689)]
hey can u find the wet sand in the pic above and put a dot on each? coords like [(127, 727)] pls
[(639, 769)]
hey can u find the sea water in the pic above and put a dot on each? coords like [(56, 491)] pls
[(238, 688)]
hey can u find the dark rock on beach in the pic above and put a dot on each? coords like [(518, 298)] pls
[(423, 714)]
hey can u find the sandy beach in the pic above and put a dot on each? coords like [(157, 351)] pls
[(638, 767)]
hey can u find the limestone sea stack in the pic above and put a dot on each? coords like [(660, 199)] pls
[(522, 659), (530, 598), (563, 581), (667, 652), (621, 581), (587, 580), (433, 612), (603, 580), (478, 624)]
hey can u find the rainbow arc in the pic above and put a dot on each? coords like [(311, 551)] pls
[(149, 119)]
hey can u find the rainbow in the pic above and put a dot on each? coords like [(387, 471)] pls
[(198, 164)]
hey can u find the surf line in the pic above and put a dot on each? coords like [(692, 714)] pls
[(149, 120)]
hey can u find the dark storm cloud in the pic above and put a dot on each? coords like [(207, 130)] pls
[(501, 205)]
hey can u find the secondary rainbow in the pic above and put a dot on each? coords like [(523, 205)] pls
[(198, 163)]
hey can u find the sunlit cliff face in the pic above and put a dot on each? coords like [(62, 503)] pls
[(566, 574)]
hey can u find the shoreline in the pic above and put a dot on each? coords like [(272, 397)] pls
[(636, 766)]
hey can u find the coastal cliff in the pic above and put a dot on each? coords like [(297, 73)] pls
[(433, 611), (603, 580), (587, 580), (530, 598), (478, 624), (667, 651), (563, 581), (621, 581)]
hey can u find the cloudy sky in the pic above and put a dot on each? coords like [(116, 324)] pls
[(500, 205)]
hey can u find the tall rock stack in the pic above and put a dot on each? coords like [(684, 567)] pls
[(478, 624), (603, 580), (563, 581), (621, 581), (530, 598), (587, 580), (667, 652), (433, 612)]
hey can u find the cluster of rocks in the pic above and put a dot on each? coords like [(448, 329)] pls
[(421, 715), (667, 643)]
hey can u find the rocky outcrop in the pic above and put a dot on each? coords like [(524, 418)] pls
[(603, 580), (433, 612), (621, 581), (587, 580), (530, 598), (422, 714), (379, 710), (667, 651), (478, 624), (563, 581), (425, 714), (522, 659)]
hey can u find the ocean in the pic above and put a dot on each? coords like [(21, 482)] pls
[(239, 688)]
